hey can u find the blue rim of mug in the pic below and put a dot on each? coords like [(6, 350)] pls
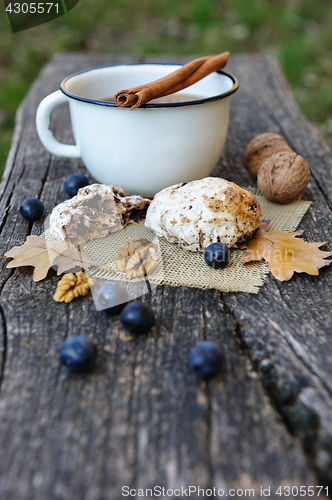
[(158, 105)]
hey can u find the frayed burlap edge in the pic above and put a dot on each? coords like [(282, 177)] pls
[(178, 267)]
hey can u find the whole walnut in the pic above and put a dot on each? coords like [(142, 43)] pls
[(261, 147), (283, 177)]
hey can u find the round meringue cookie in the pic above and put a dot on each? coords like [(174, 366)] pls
[(202, 212)]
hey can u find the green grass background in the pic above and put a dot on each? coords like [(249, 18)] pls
[(297, 32)]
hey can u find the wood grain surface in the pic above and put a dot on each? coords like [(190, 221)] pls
[(141, 419)]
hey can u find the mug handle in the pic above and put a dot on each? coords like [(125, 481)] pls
[(43, 122)]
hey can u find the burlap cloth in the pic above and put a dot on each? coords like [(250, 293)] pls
[(178, 267)]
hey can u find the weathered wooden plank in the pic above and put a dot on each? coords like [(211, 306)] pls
[(253, 435), (286, 328), (141, 419)]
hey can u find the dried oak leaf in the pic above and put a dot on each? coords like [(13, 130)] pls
[(42, 255), (285, 253)]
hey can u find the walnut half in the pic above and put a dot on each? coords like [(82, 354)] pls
[(71, 287), (137, 258)]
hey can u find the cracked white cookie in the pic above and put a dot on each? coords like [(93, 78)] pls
[(97, 210), (202, 212)]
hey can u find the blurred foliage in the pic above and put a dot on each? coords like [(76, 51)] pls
[(297, 32)]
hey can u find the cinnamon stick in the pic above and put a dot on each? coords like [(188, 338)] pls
[(174, 82)]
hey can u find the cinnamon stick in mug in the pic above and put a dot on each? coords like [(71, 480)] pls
[(174, 82)]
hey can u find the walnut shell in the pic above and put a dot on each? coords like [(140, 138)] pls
[(261, 147), (283, 177)]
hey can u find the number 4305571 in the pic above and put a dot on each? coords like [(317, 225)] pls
[(31, 8), (301, 491)]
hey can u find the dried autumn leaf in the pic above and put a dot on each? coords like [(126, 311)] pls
[(285, 253), (42, 255)]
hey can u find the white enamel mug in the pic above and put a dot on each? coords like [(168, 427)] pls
[(149, 148)]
